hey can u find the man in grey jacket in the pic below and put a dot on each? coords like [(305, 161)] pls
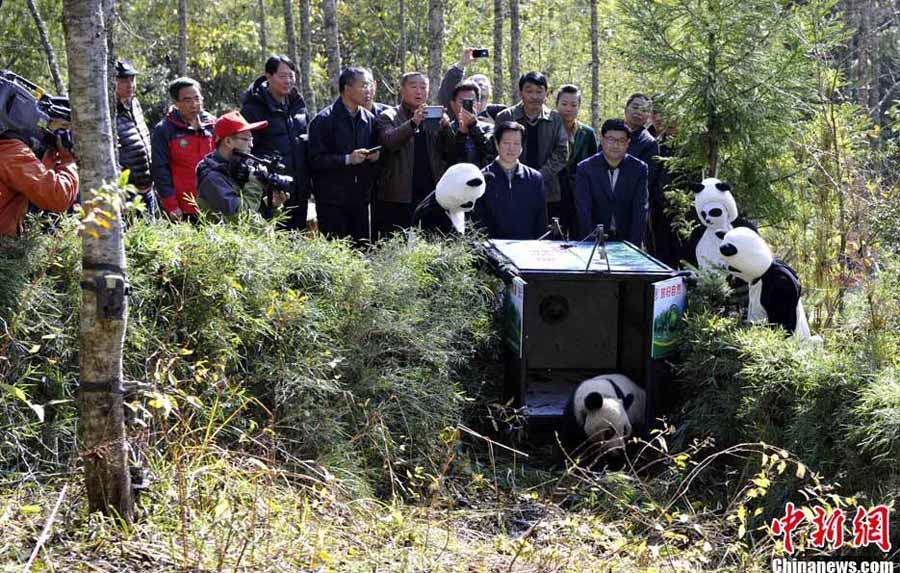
[(546, 142)]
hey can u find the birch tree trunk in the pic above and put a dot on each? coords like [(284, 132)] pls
[(306, 57), (498, 51), (332, 45), (401, 43), (101, 427), (435, 46), (595, 67), (182, 37), (514, 58), (109, 20), (48, 48), (263, 41), (290, 32)]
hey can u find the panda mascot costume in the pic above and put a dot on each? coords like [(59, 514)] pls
[(717, 211), (601, 414), (444, 210), (774, 287)]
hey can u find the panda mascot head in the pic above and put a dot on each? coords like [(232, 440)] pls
[(601, 414), (717, 210), (445, 209), (774, 294), (714, 204)]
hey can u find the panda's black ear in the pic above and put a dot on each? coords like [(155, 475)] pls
[(728, 250), (720, 234), (722, 186), (697, 187), (474, 182), (628, 401)]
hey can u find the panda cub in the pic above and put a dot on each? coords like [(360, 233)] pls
[(444, 210), (717, 211), (601, 414), (774, 287)]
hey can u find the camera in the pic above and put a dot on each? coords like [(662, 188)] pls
[(433, 115), (64, 135), (469, 105), (27, 110), (480, 53), (267, 170)]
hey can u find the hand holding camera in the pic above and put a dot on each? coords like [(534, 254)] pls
[(358, 156)]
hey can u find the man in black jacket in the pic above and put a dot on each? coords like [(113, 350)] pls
[(341, 141), (274, 98), (133, 136), (473, 137)]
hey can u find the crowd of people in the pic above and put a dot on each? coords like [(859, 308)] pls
[(367, 165)]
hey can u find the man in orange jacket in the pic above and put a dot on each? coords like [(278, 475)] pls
[(51, 183)]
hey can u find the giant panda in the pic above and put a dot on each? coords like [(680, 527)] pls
[(601, 414), (445, 208), (717, 211), (774, 286)]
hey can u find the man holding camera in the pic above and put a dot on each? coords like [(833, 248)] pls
[(49, 183), (473, 143), (342, 151), (226, 184), (274, 98), (454, 76), (416, 138)]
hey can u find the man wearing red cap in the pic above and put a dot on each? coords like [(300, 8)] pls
[(223, 185)]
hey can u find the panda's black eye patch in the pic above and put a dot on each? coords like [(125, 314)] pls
[(467, 205), (715, 212), (474, 182), (728, 250)]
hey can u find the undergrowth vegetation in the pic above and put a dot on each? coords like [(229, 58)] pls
[(300, 405)]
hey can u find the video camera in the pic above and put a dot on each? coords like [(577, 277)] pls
[(267, 170), (26, 109)]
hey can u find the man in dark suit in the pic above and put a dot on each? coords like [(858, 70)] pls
[(611, 187)]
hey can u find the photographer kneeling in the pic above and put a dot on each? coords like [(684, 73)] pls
[(230, 180)]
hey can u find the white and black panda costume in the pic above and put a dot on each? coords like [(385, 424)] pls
[(774, 286), (445, 208), (602, 413), (717, 211)]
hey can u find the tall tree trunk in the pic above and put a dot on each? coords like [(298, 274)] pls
[(48, 47), (514, 58), (595, 66), (401, 43), (332, 45), (182, 37), (306, 57), (263, 41), (498, 51), (101, 425), (435, 46), (109, 19), (290, 33)]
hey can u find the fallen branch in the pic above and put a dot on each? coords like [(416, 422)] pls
[(45, 533)]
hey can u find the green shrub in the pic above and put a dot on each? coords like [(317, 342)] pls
[(239, 333)]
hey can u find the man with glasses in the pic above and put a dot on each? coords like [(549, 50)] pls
[(275, 99), (180, 141), (224, 185), (611, 187)]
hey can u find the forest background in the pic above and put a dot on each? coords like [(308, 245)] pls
[(300, 406)]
